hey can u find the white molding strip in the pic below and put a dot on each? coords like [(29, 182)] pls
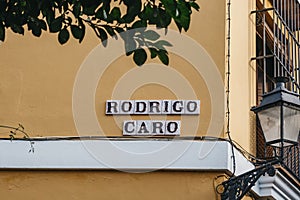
[(138, 155), (135, 155), (278, 187)]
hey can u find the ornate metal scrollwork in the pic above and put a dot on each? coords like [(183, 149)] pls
[(237, 187)]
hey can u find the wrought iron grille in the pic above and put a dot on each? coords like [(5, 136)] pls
[(277, 54)]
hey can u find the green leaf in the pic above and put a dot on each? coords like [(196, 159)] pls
[(151, 35), (179, 26), (147, 12), (36, 31), (170, 6), (140, 56), (49, 14), (153, 17), (82, 27), (153, 52), (180, 11), (89, 10), (129, 2), (77, 9), (119, 30), (102, 35), (17, 29), (101, 14), (110, 30), (161, 44), (115, 13), (32, 23), (184, 14), (63, 36), (194, 5), (2, 32), (77, 32), (56, 24), (163, 56), (42, 24), (3, 4), (129, 42), (133, 9), (164, 19), (139, 24), (65, 5), (127, 19)]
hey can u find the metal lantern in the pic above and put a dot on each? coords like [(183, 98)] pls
[(279, 115)]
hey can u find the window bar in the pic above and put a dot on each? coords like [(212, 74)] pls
[(288, 161), (281, 38), (289, 41), (298, 163), (298, 37), (291, 61), (285, 40), (293, 53), (285, 69), (292, 42), (295, 45), (278, 40), (288, 158), (293, 157), (275, 39), (264, 48), (289, 13), (297, 168), (297, 49), (294, 160), (296, 10), (285, 24)]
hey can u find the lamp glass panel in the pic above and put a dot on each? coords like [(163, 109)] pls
[(270, 123), (291, 119)]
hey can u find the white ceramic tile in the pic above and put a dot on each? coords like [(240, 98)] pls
[(158, 127), (173, 127), (154, 107), (192, 107), (143, 127), (166, 107), (112, 107), (129, 127), (177, 107), (126, 107), (140, 107)]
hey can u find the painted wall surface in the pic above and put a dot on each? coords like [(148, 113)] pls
[(243, 73), (89, 185), (38, 75)]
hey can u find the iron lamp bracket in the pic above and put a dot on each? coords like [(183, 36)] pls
[(237, 187)]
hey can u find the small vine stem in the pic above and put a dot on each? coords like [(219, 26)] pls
[(20, 129)]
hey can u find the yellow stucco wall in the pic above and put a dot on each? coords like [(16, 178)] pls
[(107, 185), (37, 78), (243, 73)]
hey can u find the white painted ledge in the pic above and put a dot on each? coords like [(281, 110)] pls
[(278, 187), (135, 155), (138, 155)]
